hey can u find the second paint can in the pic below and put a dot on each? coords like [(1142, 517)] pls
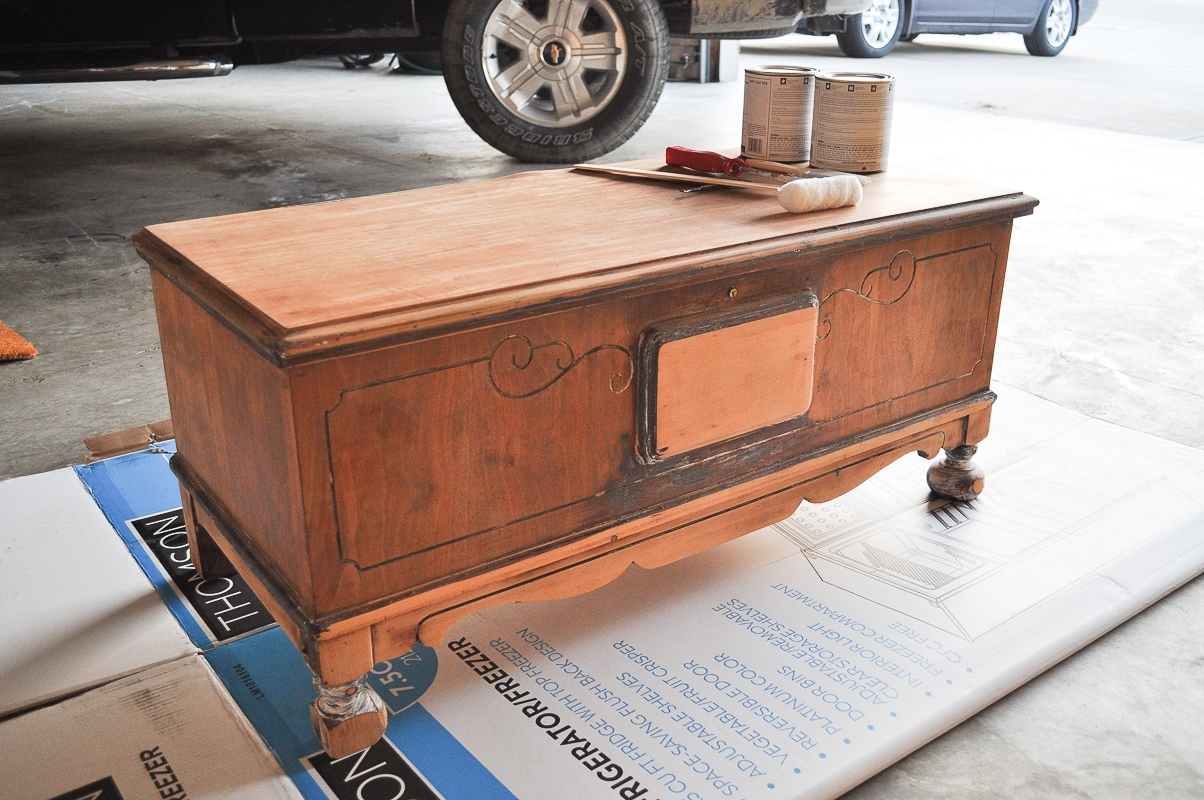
[(852, 121), (777, 113)]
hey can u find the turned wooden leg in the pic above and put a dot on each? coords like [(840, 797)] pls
[(957, 476), (348, 717)]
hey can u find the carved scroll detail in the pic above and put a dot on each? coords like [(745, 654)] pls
[(883, 286), (519, 369)]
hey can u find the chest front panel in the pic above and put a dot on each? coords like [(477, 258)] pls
[(438, 458)]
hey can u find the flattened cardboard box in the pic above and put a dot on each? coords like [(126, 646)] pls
[(75, 611), (141, 498), (168, 733), (791, 663)]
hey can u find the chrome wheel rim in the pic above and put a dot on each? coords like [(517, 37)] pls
[(1057, 22), (555, 63), (879, 23)]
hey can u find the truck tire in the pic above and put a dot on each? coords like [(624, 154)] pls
[(1054, 28), (873, 33), (555, 81)]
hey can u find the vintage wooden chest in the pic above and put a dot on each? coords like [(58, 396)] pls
[(393, 411)]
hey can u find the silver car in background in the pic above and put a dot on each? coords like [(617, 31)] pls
[(1046, 25)]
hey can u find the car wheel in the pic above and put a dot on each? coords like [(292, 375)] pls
[(874, 32), (1054, 26), (363, 60), (555, 81)]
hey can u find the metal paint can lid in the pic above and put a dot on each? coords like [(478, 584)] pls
[(857, 77), (772, 69)]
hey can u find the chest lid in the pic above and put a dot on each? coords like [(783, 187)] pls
[(304, 281)]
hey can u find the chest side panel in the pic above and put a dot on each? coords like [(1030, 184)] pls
[(231, 411)]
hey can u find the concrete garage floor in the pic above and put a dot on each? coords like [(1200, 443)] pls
[(1104, 310)]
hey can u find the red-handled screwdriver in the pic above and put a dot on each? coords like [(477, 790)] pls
[(706, 161)]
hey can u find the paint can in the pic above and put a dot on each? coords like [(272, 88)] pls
[(852, 121), (777, 113)]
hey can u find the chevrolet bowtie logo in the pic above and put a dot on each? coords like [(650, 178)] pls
[(554, 54)]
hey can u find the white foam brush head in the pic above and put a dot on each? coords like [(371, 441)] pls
[(816, 194)]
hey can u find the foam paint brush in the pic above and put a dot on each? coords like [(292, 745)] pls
[(800, 189), (799, 195)]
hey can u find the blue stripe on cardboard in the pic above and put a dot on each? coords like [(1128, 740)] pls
[(136, 485), (268, 679), (266, 676), (438, 755)]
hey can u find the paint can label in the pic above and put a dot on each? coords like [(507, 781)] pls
[(777, 113), (852, 121)]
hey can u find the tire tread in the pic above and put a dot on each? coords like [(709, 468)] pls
[(459, 19)]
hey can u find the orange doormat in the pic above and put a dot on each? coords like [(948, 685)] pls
[(13, 346)]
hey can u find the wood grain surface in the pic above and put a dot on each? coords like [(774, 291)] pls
[(232, 414), (430, 256), (719, 384), (386, 473), (393, 411)]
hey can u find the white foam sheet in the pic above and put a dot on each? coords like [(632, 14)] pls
[(75, 610), (169, 731), (800, 660)]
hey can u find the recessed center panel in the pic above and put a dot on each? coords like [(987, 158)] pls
[(722, 378)]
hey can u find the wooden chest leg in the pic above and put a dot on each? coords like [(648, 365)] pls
[(348, 717), (207, 557), (957, 476)]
